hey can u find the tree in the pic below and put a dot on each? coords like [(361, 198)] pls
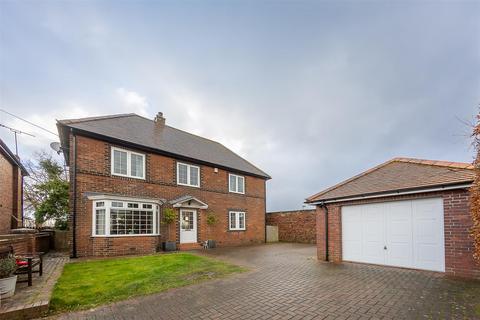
[(475, 191), (46, 190)]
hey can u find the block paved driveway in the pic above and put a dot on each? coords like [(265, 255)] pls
[(286, 282)]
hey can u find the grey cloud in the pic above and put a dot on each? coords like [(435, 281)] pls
[(311, 92)]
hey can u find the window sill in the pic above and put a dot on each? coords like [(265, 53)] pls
[(242, 193), (187, 185), (125, 236), (126, 176)]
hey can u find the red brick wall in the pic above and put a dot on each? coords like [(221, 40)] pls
[(17, 203), (294, 226), (93, 175), (22, 243), (457, 223), (458, 242), (6, 194)]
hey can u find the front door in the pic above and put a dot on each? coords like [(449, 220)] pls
[(188, 226)]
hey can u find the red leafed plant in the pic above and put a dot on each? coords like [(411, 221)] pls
[(475, 191)]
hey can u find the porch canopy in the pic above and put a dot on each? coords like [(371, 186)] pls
[(188, 202)]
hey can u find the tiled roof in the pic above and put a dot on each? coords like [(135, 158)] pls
[(134, 129), (399, 174)]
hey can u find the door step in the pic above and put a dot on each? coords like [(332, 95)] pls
[(189, 246)]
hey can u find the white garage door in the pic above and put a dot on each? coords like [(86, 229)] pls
[(401, 233)]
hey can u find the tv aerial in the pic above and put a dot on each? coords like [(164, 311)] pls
[(15, 132)]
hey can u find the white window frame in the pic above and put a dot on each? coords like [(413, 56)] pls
[(129, 163), (237, 220), (107, 206), (230, 189), (189, 166)]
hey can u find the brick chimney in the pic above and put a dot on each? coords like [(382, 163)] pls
[(159, 119)]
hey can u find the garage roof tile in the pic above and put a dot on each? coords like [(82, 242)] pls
[(399, 174)]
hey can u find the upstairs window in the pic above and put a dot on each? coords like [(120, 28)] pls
[(188, 175), (236, 183), (236, 220), (128, 164)]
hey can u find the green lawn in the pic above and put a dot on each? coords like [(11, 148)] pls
[(91, 283)]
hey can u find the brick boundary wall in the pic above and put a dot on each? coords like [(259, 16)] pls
[(294, 226), (26, 243)]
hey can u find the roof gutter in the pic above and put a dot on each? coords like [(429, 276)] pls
[(389, 194)]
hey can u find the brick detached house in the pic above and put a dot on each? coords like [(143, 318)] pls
[(11, 190), (126, 170), (405, 212)]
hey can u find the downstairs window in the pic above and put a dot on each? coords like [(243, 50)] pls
[(125, 218), (236, 220)]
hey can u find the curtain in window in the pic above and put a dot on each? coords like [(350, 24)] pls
[(241, 184), (233, 220), (119, 162), (233, 183), (100, 222), (182, 174), (137, 165), (194, 176)]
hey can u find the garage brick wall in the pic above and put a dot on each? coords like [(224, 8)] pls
[(457, 224), (294, 226)]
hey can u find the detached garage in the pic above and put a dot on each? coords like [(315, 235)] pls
[(406, 213)]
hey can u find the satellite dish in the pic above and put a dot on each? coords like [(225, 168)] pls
[(56, 146)]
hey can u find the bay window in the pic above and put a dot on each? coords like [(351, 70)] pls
[(125, 218)]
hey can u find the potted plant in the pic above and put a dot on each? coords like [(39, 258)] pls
[(8, 265), (169, 216), (211, 221)]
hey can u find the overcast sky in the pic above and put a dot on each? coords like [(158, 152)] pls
[(311, 92)]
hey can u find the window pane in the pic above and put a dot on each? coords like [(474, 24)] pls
[(241, 184), (182, 173), (100, 222), (187, 220), (194, 176), (117, 204), (233, 221), (137, 165), (131, 221), (233, 183), (119, 162), (241, 220), (114, 221), (100, 204)]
